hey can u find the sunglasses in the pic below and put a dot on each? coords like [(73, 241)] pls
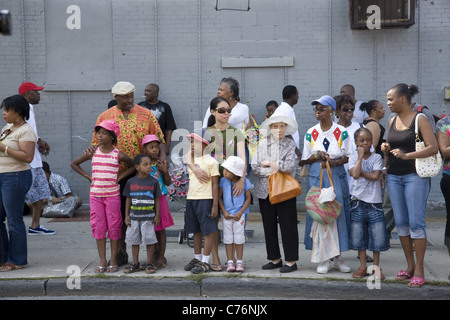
[(5, 134), (320, 109), (223, 110), (347, 109)]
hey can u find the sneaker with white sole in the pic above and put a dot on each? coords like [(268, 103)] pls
[(40, 231), (340, 265), (324, 267)]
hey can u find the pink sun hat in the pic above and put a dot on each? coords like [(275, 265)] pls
[(149, 138), (109, 125)]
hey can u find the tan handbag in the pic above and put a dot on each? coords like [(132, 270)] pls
[(282, 187)]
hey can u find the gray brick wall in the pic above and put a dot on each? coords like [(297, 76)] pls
[(180, 45)]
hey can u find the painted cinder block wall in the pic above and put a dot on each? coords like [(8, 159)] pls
[(181, 45)]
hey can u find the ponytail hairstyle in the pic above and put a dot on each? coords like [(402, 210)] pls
[(213, 107), (368, 106), (404, 90)]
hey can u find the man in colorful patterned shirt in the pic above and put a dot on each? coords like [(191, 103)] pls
[(135, 123)]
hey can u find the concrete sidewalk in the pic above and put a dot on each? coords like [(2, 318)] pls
[(73, 249)]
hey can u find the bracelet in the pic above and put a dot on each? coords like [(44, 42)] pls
[(316, 155), (384, 168), (6, 150)]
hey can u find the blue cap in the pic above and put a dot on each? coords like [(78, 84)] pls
[(325, 101)]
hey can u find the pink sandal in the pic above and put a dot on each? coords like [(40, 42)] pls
[(403, 275), (416, 282)]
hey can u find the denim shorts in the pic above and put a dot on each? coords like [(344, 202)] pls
[(368, 227)]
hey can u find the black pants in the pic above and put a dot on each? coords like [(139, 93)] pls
[(445, 187), (285, 213)]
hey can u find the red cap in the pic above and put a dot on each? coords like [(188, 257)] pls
[(27, 86)]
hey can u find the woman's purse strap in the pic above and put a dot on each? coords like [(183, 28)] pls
[(330, 176), (416, 126)]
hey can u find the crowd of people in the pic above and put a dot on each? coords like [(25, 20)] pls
[(130, 178)]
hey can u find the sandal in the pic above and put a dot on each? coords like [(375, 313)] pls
[(133, 267), (403, 275), (112, 269), (217, 267), (360, 273), (191, 264), (100, 269), (201, 267), (379, 276), (149, 268), (8, 266), (416, 282)]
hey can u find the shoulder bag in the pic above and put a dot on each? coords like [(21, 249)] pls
[(430, 166), (326, 212)]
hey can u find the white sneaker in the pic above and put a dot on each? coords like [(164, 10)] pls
[(324, 267), (340, 265)]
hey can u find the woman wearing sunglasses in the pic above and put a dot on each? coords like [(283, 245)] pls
[(226, 141), (328, 140), (17, 144)]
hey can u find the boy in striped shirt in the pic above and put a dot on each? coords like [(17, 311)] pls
[(142, 212)]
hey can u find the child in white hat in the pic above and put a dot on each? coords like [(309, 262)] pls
[(234, 211)]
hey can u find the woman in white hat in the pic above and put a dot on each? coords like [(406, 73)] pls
[(277, 152), (328, 141)]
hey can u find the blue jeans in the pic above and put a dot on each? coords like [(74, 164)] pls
[(13, 189), (368, 229), (409, 195)]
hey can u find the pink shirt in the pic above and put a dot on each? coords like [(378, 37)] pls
[(105, 167)]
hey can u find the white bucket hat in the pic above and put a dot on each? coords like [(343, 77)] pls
[(235, 165), (291, 128)]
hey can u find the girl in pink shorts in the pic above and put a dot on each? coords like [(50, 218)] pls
[(104, 194)]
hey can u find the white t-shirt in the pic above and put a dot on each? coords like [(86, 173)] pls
[(363, 189), (285, 109), (37, 160), (239, 116), (351, 129), (358, 115)]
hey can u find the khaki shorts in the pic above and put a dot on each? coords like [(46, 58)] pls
[(141, 232)]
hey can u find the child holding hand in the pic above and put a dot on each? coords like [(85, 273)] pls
[(368, 225), (234, 209)]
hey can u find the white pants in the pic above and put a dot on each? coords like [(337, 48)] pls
[(234, 231)]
